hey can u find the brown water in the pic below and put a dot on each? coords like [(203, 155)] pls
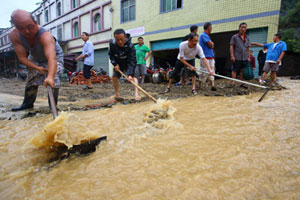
[(213, 148)]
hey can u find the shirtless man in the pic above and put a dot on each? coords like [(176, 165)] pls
[(45, 60)]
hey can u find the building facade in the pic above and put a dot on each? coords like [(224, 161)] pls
[(67, 19), (163, 23)]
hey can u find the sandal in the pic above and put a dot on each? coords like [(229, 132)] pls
[(119, 99), (167, 90), (87, 88), (194, 92)]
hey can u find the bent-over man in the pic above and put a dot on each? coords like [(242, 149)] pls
[(122, 55), (188, 50), (45, 60)]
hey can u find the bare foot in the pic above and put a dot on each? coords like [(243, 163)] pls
[(138, 98)]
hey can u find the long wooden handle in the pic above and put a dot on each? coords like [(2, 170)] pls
[(141, 89), (236, 80), (52, 103), (245, 82)]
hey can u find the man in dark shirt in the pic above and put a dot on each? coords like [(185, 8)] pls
[(240, 51), (122, 55), (261, 60)]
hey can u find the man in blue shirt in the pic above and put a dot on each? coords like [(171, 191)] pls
[(274, 56), (207, 46), (88, 57)]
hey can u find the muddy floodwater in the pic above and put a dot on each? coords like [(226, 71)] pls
[(210, 148)]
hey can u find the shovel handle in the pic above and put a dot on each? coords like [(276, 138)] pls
[(52, 102), (141, 89), (236, 80)]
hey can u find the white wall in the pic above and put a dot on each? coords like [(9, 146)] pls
[(66, 6), (53, 11), (67, 31), (107, 17), (85, 23), (83, 1)]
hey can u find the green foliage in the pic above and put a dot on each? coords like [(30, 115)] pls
[(286, 5), (289, 24), (292, 18), (292, 38)]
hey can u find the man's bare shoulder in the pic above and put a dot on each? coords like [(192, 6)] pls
[(14, 35), (46, 38), (46, 35)]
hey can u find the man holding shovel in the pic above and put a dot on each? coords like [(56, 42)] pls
[(45, 60), (188, 50), (122, 55)]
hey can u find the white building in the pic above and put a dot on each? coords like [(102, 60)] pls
[(67, 19)]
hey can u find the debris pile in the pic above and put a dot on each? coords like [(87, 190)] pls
[(79, 78)]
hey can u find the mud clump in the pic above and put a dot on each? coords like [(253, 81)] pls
[(162, 110), (155, 115)]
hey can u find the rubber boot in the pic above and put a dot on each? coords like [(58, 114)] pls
[(55, 92), (29, 98)]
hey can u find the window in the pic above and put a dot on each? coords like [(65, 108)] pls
[(58, 9), (169, 5), (97, 22), (127, 10), (75, 29), (75, 4), (46, 16), (38, 21), (59, 33)]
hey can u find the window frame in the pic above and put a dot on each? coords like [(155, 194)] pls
[(73, 29), (60, 9), (95, 25), (38, 19), (60, 26), (46, 21), (162, 12), (78, 4), (121, 12)]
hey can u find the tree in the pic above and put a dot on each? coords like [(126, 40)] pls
[(289, 24)]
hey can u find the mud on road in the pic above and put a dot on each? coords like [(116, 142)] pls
[(99, 96)]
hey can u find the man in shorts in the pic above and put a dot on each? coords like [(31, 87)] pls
[(184, 70), (141, 50), (186, 57), (207, 46), (240, 51), (122, 55), (276, 51), (88, 57)]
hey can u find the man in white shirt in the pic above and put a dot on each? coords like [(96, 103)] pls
[(188, 50), (88, 57)]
